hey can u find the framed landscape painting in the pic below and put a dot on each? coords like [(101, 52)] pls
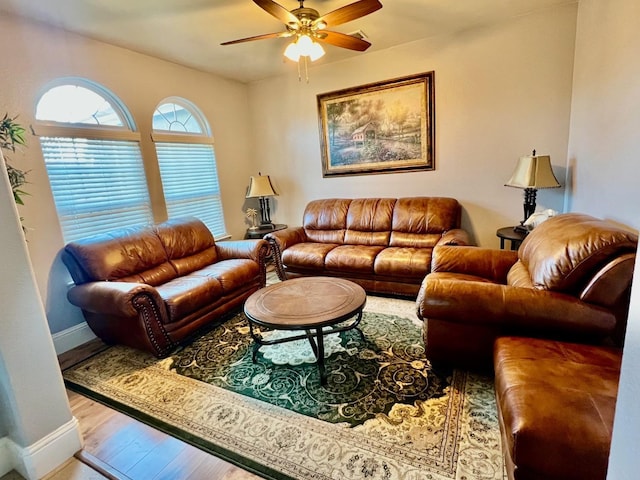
[(383, 127)]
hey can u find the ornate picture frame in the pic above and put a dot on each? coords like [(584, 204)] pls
[(383, 127)]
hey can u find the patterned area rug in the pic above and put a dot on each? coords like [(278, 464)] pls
[(384, 413)]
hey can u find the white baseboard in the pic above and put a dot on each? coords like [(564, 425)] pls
[(6, 456), (48, 453), (72, 337)]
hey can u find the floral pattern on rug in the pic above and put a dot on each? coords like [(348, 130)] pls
[(365, 377)]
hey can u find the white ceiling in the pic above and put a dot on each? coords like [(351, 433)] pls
[(189, 32)]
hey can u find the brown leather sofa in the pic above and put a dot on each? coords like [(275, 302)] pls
[(153, 287), (569, 280), (383, 244), (550, 320)]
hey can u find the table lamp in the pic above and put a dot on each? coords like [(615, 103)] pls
[(531, 173), (261, 187)]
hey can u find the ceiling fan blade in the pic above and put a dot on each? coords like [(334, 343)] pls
[(278, 11), (259, 37), (349, 12), (343, 40)]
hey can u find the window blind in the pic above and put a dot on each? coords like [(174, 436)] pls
[(190, 183), (97, 185)]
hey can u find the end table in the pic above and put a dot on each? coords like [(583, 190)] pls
[(514, 236), (262, 231)]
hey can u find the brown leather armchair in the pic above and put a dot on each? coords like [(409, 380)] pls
[(569, 280)]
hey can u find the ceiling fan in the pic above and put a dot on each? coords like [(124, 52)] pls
[(308, 26)]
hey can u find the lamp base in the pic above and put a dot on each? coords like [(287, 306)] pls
[(265, 213), (529, 203)]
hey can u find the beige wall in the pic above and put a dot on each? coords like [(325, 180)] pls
[(604, 149), (604, 153), (141, 82), (500, 91)]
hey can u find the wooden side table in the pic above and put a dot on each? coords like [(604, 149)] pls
[(514, 236), (262, 231)]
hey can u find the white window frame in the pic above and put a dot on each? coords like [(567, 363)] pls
[(76, 224), (180, 204)]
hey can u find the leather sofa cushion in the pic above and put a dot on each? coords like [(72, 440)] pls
[(307, 255), (153, 276), (556, 402), (233, 274), (518, 276), (416, 240), (131, 254), (189, 244), (403, 262), (561, 252), (189, 293), (352, 258)]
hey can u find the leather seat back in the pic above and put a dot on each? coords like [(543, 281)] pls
[(188, 243), (413, 222), (325, 221), (133, 254), (369, 221), (567, 252), (144, 254), (421, 221)]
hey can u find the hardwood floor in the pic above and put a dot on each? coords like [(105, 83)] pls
[(123, 448), (120, 447)]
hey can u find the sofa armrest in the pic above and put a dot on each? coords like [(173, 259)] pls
[(113, 298), (508, 307), (279, 241), (487, 263), (456, 236), (287, 237), (255, 250), (130, 313)]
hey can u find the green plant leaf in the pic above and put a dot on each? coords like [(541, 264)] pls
[(12, 134)]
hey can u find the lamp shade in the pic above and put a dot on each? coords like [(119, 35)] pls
[(260, 186), (533, 172)]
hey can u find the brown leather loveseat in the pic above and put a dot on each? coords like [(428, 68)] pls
[(550, 319), (152, 287), (383, 244)]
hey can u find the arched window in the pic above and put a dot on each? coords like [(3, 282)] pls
[(92, 155), (188, 164)]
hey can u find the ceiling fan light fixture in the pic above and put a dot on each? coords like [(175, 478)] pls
[(292, 52), (304, 44), (316, 51)]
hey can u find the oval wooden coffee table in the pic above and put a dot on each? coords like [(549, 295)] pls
[(309, 304)]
